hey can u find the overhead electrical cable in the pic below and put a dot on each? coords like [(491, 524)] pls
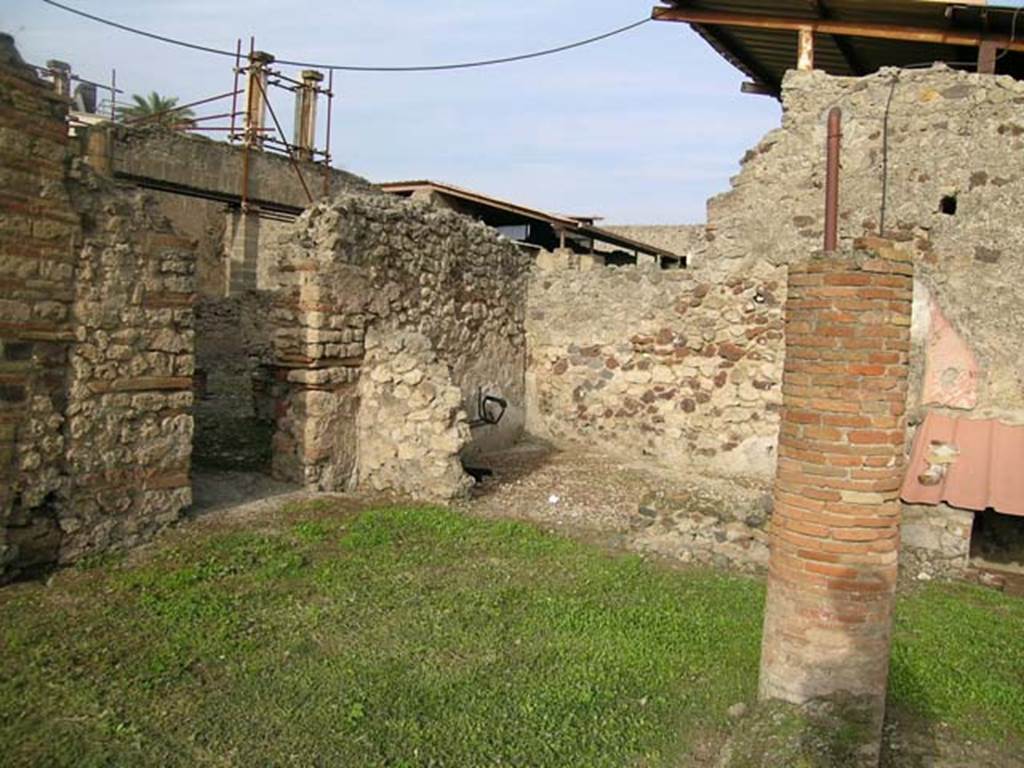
[(354, 67)]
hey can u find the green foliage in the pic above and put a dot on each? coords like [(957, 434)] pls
[(155, 109)]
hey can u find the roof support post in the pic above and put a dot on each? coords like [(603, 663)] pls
[(987, 56), (821, 11), (805, 49)]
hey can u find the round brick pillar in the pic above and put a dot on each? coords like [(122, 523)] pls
[(835, 529)]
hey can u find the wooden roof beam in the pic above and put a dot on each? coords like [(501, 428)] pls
[(732, 51), (853, 61), (831, 27)]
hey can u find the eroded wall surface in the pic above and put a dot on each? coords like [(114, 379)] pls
[(39, 235), (942, 140), (659, 364), (412, 426), (129, 416), (360, 263), (945, 147), (96, 339)]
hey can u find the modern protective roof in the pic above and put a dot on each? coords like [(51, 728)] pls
[(983, 469), (496, 211), (851, 37)]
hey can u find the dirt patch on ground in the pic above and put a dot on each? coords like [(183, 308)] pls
[(628, 504)]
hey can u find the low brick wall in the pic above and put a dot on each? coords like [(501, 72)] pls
[(835, 527), (659, 363)]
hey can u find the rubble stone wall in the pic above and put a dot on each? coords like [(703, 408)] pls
[(950, 146), (934, 541), (130, 385), (39, 235), (411, 423), (361, 262), (659, 364), (95, 345)]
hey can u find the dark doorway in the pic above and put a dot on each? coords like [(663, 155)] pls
[(997, 540)]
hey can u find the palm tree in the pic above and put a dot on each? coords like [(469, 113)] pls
[(156, 109)]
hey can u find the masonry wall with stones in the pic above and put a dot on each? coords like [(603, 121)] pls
[(949, 146), (95, 328), (362, 263), (38, 237), (659, 364), (411, 425), (129, 419)]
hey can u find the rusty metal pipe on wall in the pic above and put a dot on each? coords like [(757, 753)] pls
[(835, 117)]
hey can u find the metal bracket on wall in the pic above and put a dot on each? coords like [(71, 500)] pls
[(490, 409)]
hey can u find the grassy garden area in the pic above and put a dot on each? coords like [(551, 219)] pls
[(422, 637)]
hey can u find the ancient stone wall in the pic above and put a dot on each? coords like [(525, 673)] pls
[(95, 333), (949, 146), (411, 424), (361, 262), (659, 364), (130, 385), (39, 235)]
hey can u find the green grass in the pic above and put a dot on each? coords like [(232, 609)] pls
[(958, 657), (421, 637)]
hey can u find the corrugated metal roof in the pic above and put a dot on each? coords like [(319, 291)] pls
[(765, 55), (983, 462)]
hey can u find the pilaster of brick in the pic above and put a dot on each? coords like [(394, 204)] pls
[(835, 529), (39, 231)]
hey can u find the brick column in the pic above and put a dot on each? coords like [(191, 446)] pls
[(835, 530)]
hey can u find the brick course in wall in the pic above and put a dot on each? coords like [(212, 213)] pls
[(95, 345), (39, 233), (835, 528), (362, 262)]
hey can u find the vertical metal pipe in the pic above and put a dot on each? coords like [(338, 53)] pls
[(327, 148), (234, 88), (245, 141), (835, 117)]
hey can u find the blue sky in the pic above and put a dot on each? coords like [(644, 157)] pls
[(641, 128)]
